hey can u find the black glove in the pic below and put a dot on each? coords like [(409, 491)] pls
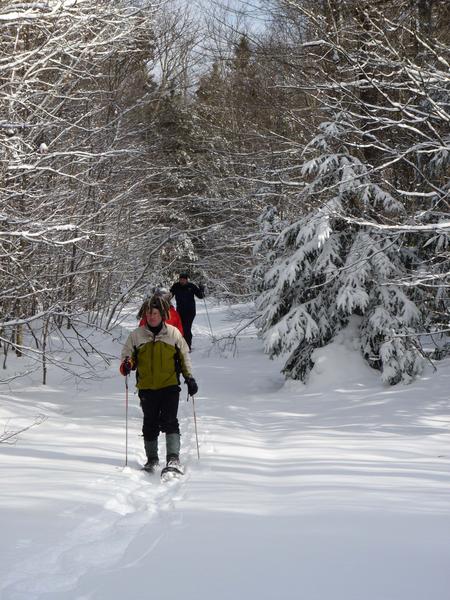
[(191, 386)]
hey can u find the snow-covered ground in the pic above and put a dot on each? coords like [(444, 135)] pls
[(338, 490)]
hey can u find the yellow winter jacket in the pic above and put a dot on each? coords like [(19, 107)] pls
[(159, 359)]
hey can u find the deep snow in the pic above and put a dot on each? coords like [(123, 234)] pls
[(338, 490)]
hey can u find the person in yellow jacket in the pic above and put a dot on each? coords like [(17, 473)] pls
[(159, 354)]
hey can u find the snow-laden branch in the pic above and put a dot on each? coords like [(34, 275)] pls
[(25, 321), (441, 227)]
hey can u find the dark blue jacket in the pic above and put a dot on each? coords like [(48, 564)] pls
[(185, 297)]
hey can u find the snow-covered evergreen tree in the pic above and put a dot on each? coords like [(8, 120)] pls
[(270, 226), (329, 267), (368, 229)]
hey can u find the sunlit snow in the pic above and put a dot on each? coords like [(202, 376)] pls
[(337, 490)]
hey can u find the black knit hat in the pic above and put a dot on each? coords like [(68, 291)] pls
[(183, 276)]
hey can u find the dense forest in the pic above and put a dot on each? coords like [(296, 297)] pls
[(295, 153)]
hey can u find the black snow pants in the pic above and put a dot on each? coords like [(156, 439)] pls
[(160, 408), (187, 318)]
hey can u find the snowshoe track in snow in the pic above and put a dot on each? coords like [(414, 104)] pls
[(101, 540)]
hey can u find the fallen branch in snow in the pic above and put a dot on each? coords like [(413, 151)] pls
[(230, 341), (10, 437), (8, 380)]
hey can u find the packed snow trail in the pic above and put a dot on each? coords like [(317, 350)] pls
[(333, 491)]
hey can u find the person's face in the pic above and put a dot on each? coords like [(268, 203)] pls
[(183, 281), (153, 317)]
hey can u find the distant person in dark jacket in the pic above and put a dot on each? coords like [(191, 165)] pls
[(185, 293)]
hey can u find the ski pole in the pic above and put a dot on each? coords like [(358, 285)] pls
[(195, 425), (126, 420), (209, 320)]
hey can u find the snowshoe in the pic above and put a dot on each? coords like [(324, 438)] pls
[(173, 468), (151, 465)]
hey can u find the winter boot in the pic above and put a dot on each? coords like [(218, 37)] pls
[(172, 447), (151, 450)]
